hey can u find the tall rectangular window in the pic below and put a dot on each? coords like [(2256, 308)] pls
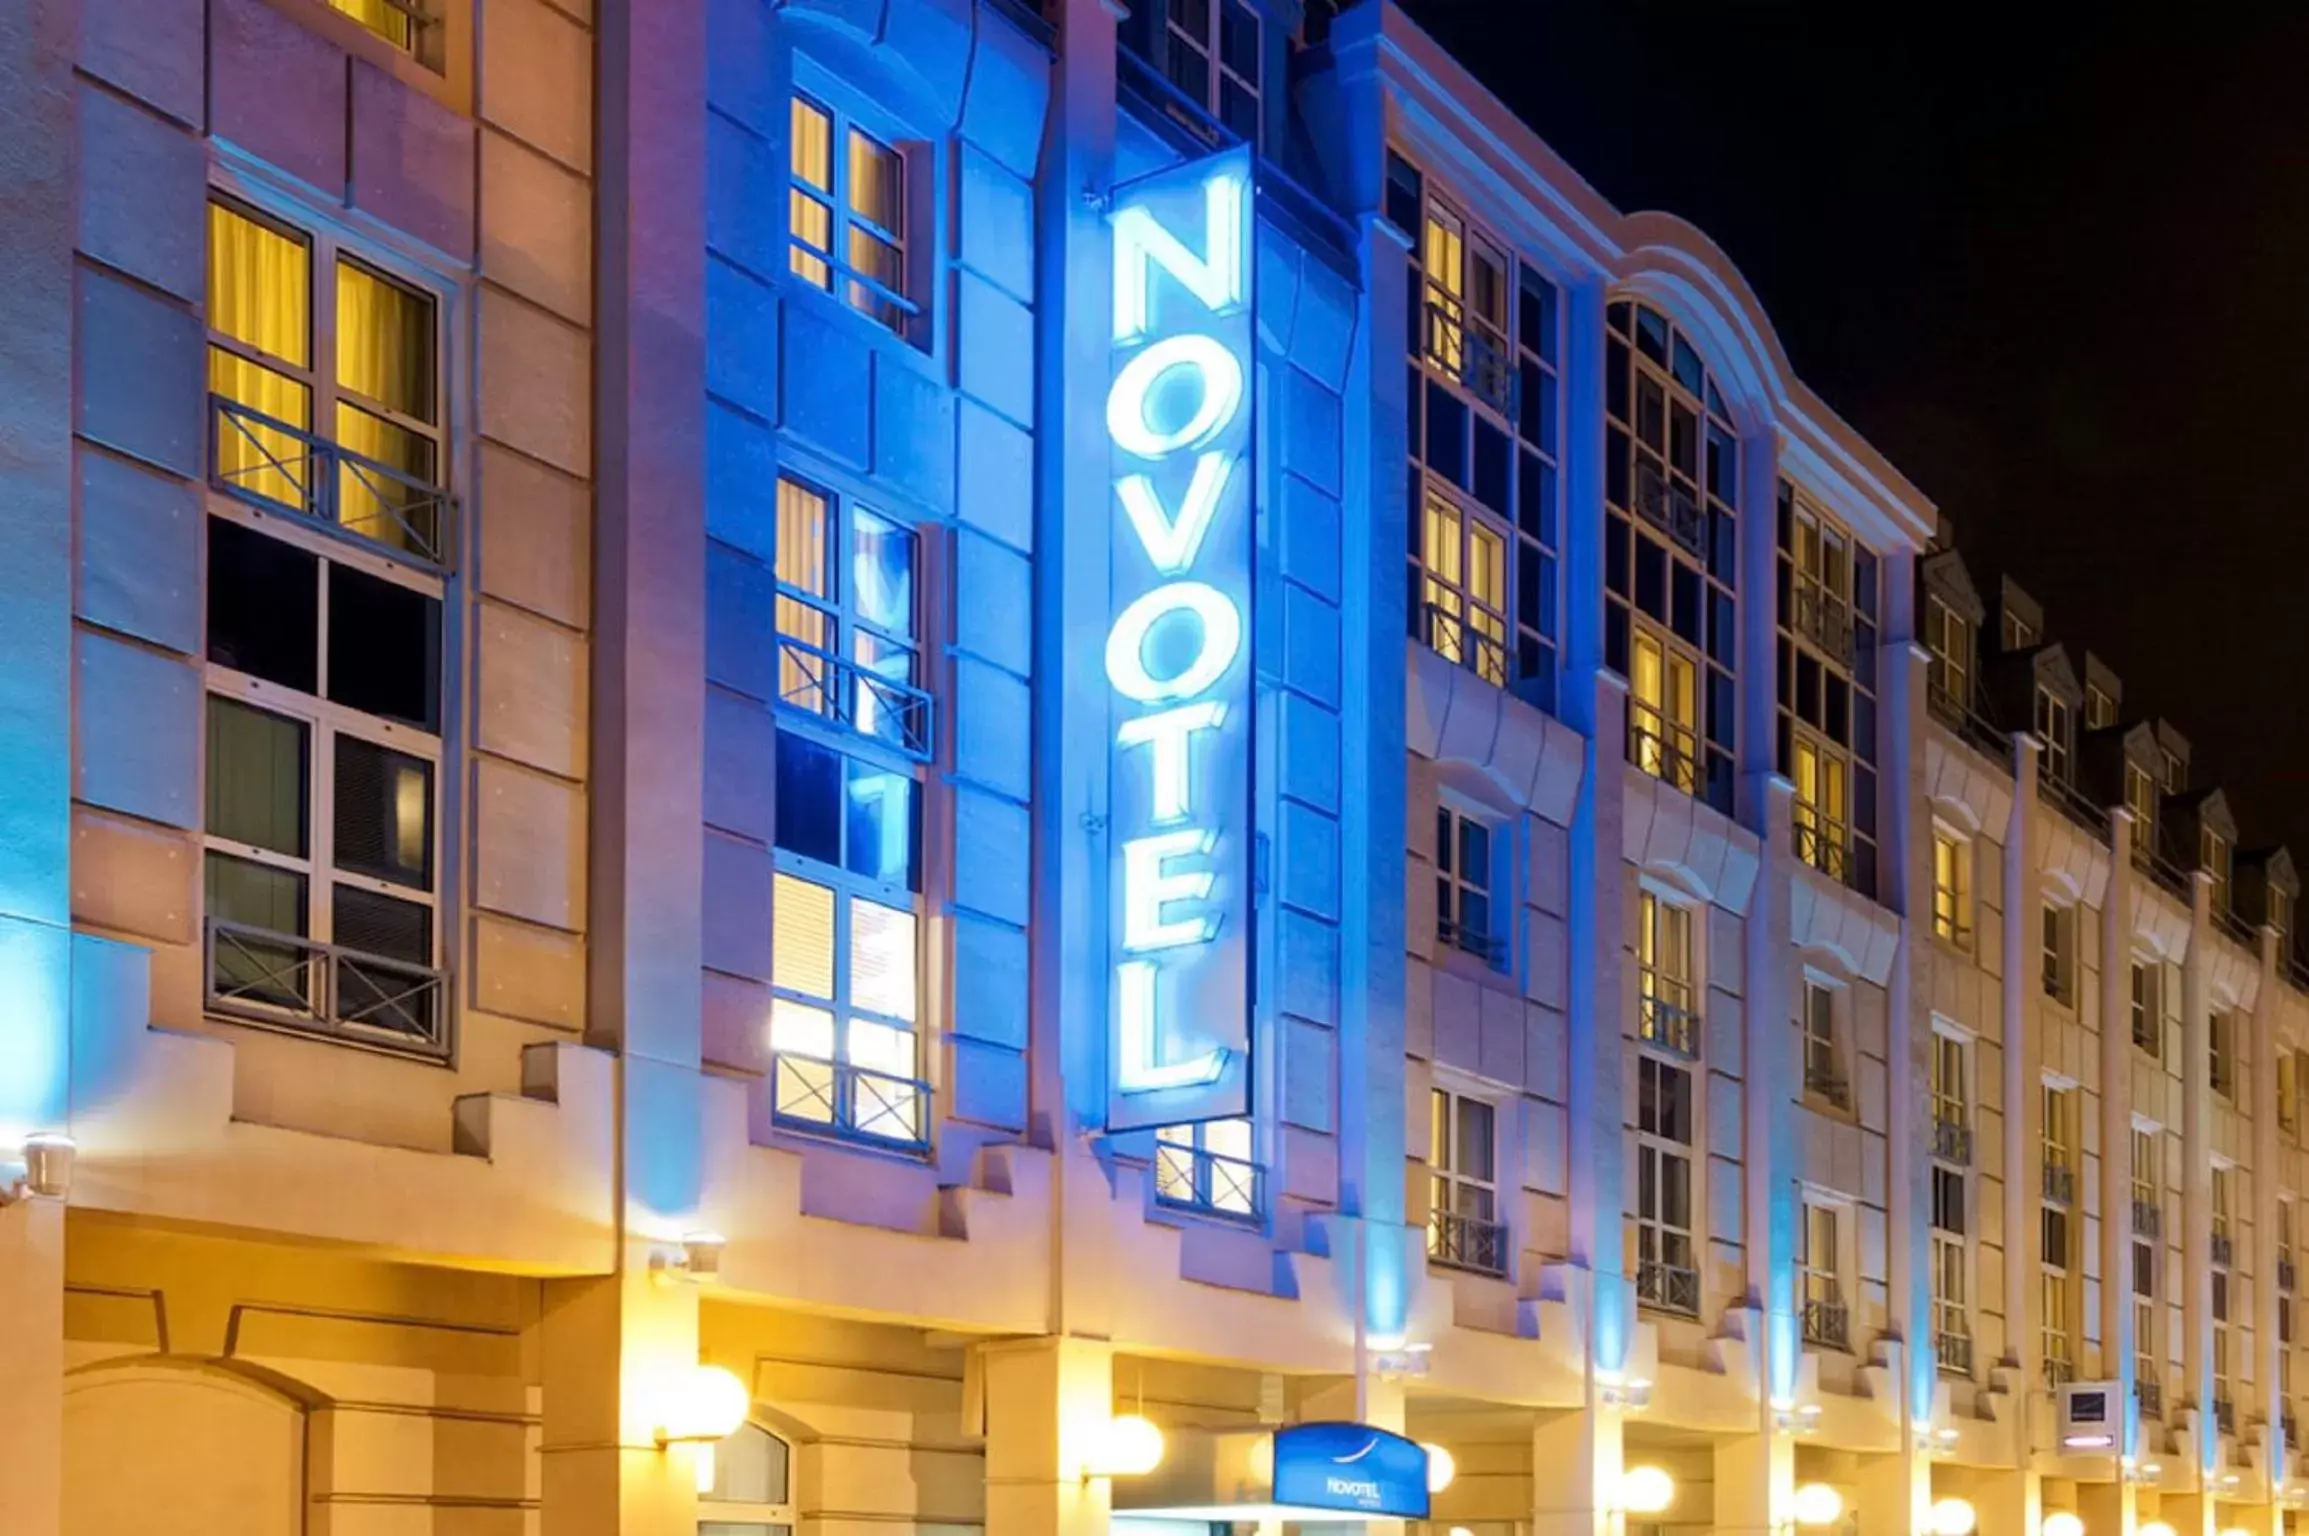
[(1464, 587), (848, 636), (325, 393), (1667, 1262), (1827, 695), (1662, 709), (1824, 1075), (2053, 724), (1464, 913), (2141, 800), (1826, 1321), (2221, 1036), (2147, 1009), (1951, 1099), (1821, 811), (1667, 1013), (1463, 1225), (1951, 1273), (1952, 888), (1208, 1167), (1211, 52), (1949, 637), (2213, 858), (2148, 1379), (847, 203), (2058, 1132), (2059, 953)]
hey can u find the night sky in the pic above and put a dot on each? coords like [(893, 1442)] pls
[(2053, 266)]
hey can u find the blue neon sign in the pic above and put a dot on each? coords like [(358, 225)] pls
[(1352, 1468), (1177, 652)]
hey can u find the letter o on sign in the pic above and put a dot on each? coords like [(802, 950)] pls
[(1221, 637), (1219, 376)]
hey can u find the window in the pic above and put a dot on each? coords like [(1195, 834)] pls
[(2141, 800), (1463, 567), (2052, 724), (1820, 558), (1484, 428), (407, 24), (1207, 1167), (1951, 1093), (846, 1004), (1821, 810), (353, 442), (2223, 1192), (2288, 1092), (1827, 690), (1948, 636), (2224, 1355), (849, 645), (2017, 633), (2053, 1327), (2100, 709), (1952, 887), (1211, 53), (1951, 1273), (1463, 913), (2213, 858), (1661, 712), (2176, 772), (1826, 1321), (2059, 1143), (2059, 924), (2146, 1376), (847, 200), (1666, 1015), (2148, 1009), (752, 1493), (2148, 1181), (1667, 1265), (2281, 917), (2221, 1035), (1463, 1226), (1823, 1053), (1671, 485), (322, 845)]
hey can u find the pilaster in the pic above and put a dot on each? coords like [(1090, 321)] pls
[(1046, 1401), (2019, 1052), (2119, 1351), (1576, 1461), (1755, 1483), (2196, 1286), (32, 1385), (613, 1352)]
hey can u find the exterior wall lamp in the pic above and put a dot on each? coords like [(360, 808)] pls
[(48, 1159), (697, 1260), (1127, 1445), (701, 1409)]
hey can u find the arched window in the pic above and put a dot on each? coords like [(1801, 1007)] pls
[(753, 1487), (1672, 484)]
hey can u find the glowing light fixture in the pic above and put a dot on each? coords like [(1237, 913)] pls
[(2062, 1523), (1441, 1467), (705, 1406), (48, 1159), (1953, 1517), (1128, 1446), (1818, 1504), (1646, 1490)]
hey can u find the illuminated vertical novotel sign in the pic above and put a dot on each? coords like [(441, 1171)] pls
[(1177, 656)]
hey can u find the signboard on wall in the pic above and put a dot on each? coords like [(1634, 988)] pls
[(1177, 656), (1351, 1468)]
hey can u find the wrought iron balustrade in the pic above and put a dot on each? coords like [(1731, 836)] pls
[(840, 1098), (300, 984), (277, 466), (1951, 1140), (1662, 748), (892, 710), (1467, 1242), (1828, 1324), (2060, 1183), (1669, 1287), (1665, 1017), (1491, 948), (1197, 1179)]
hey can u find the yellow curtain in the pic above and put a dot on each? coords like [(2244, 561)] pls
[(384, 354), (259, 296), (395, 26)]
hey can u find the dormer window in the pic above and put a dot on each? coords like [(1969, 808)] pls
[(2100, 709), (1948, 636), (2141, 800), (2053, 725), (2281, 916), (1211, 53), (2018, 634), (2213, 859)]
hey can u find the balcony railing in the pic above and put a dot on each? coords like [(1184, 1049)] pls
[(2224, 1249), (294, 983), (1947, 921), (2071, 802), (1490, 948), (2060, 1183), (2231, 922), (1194, 1179), (1448, 634), (269, 463), (1825, 619), (1669, 1287), (814, 681), (2285, 1274), (2148, 1218), (2225, 1415), (2162, 870), (1823, 1081), (2059, 1371), (1672, 509), (1828, 1324), (1471, 351), (838, 1098), (1662, 748), (1820, 843), (1665, 1017), (1954, 1348), (1467, 1242), (2151, 1397), (1976, 729), (1951, 1140)]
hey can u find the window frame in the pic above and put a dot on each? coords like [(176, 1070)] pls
[(1821, 832), (1663, 729), (1198, 1190), (1825, 1075), (1448, 1180), (1488, 942), (1667, 975), (1820, 1289), (1952, 642), (1659, 1241), (839, 672), (2055, 723), (1466, 626), (781, 1513), (2214, 857), (2147, 1006), (2058, 953), (1953, 903), (2221, 1037), (1950, 1084), (856, 292), (1218, 74)]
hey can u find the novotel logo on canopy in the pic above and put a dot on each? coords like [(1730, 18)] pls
[(1177, 652)]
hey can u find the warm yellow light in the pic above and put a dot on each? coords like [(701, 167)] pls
[(2061, 1522), (1818, 1504), (702, 1462), (2155, 1528), (1953, 1517), (1128, 1446), (706, 1404), (1646, 1490), (2234, 1530), (1441, 1468)]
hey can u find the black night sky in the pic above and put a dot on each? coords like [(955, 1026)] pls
[(2051, 260)]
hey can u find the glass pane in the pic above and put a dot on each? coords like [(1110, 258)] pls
[(882, 573), (802, 929), (800, 1028), (250, 456), (382, 925), (813, 145), (1475, 853), (888, 714), (256, 777), (388, 483), (384, 813), (877, 184), (1475, 1139), (805, 540), (1239, 39), (257, 896), (880, 1048), (876, 259), (750, 1467), (882, 976), (813, 224), (1228, 1138), (389, 22), (385, 341), (258, 285), (384, 648), (263, 607), (809, 799), (1487, 568), (881, 843)]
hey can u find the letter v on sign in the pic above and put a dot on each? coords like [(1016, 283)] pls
[(1172, 542)]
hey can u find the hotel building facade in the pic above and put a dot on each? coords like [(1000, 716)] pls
[(1017, 718)]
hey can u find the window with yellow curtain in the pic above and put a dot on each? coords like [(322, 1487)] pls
[(406, 24), (847, 213), (385, 379), (259, 314)]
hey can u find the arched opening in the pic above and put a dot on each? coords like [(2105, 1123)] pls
[(753, 1487), (182, 1448)]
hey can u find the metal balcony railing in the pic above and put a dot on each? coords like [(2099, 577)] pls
[(272, 464), (1954, 1347), (1951, 1140), (1823, 1081), (838, 1098), (2224, 1249), (1469, 350), (1975, 729), (1819, 842), (2225, 1415), (1490, 948), (1668, 1287), (2229, 921), (1672, 509), (1467, 1242), (2162, 870), (2151, 1397), (2148, 1218), (1828, 1324), (814, 681), (2071, 802), (1449, 635), (1665, 1017), (1825, 619), (1662, 748), (264, 977), (2059, 1371), (2060, 1183), (1193, 1179)]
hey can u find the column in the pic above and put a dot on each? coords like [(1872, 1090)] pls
[(613, 1351), (2009, 1499), (2268, 1400), (2197, 1178), (2108, 1509), (1896, 1489), (1755, 1483), (2118, 1347), (1046, 1401), (1576, 1459), (2022, 984)]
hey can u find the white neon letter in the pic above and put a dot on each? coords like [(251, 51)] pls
[(1169, 732), (1219, 377), (1136, 1068), (1222, 637), (1173, 542), (1148, 887), (1141, 243)]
